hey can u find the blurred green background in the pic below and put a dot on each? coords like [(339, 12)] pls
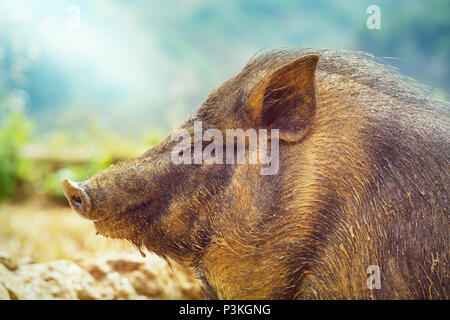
[(79, 94)]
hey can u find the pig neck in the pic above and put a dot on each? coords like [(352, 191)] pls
[(273, 232)]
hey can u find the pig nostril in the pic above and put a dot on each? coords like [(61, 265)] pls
[(77, 196), (76, 201)]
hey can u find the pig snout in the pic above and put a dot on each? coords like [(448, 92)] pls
[(78, 198)]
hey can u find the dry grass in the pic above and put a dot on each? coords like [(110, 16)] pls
[(47, 232)]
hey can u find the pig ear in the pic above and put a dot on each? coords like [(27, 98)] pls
[(286, 99)]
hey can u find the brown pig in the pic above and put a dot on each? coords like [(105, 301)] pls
[(358, 208)]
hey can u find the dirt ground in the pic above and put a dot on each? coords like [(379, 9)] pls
[(45, 231), (49, 252)]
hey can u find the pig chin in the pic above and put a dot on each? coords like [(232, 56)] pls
[(128, 224), (114, 228), (121, 228)]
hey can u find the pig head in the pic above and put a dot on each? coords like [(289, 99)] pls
[(275, 236)]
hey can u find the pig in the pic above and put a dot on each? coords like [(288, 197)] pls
[(359, 206)]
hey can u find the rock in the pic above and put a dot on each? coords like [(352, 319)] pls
[(4, 294), (8, 262), (114, 277)]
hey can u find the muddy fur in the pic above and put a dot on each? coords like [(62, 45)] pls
[(363, 180)]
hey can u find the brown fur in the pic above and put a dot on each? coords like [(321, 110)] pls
[(363, 180)]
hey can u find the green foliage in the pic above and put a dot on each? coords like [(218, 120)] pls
[(14, 132), (61, 154), (105, 148), (153, 137), (51, 185), (78, 157)]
